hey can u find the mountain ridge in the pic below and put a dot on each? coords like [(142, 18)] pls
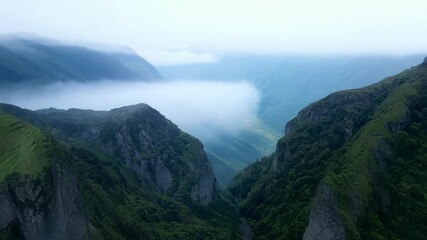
[(135, 173), (331, 176), (39, 60)]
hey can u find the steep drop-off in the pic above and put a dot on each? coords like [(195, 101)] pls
[(351, 166), (127, 173), (39, 198)]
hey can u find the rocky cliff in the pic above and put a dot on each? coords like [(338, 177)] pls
[(42, 204), (344, 167), (146, 142), (126, 173)]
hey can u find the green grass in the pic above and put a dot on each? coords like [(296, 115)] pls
[(22, 147)]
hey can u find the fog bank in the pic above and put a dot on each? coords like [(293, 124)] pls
[(202, 108)]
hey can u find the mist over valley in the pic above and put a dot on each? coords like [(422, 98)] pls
[(214, 120)]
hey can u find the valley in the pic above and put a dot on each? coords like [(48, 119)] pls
[(323, 149)]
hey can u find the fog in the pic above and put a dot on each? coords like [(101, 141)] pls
[(202, 108)]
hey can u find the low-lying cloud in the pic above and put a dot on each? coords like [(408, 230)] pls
[(201, 108)]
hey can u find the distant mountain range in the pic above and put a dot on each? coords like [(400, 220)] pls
[(26, 59)]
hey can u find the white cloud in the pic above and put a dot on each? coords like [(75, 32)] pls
[(202, 108)]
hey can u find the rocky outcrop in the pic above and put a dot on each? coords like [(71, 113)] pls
[(162, 175), (139, 176), (146, 142), (325, 222), (48, 208), (203, 190), (400, 123)]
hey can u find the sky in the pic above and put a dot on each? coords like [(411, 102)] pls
[(169, 32)]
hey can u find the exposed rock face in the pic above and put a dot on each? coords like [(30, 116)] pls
[(138, 175), (340, 106), (203, 190), (325, 222), (163, 176), (44, 209), (400, 123), (138, 143), (136, 135)]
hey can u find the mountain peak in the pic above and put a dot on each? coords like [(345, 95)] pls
[(132, 108)]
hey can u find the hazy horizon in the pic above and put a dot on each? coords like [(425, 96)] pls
[(179, 32)]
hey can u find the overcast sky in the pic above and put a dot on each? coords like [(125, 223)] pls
[(179, 31)]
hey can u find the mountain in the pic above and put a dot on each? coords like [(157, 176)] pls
[(287, 83), (126, 173), (25, 59), (350, 166), (38, 194)]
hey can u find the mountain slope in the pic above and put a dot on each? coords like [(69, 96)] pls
[(24, 60), (138, 175), (20, 142), (351, 166), (38, 196)]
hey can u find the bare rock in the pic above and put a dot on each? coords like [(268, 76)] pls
[(325, 222)]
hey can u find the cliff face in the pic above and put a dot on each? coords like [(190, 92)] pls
[(339, 170), (131, 171), (146, 142), (46, 205), (325, 221), (43, 211)]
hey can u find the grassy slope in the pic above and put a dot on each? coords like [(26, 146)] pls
[(22, 147)]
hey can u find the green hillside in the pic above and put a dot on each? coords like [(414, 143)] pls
[(351, 166), (22, 147)]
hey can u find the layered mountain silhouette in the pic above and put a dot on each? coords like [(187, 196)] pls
[(27, 59)]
